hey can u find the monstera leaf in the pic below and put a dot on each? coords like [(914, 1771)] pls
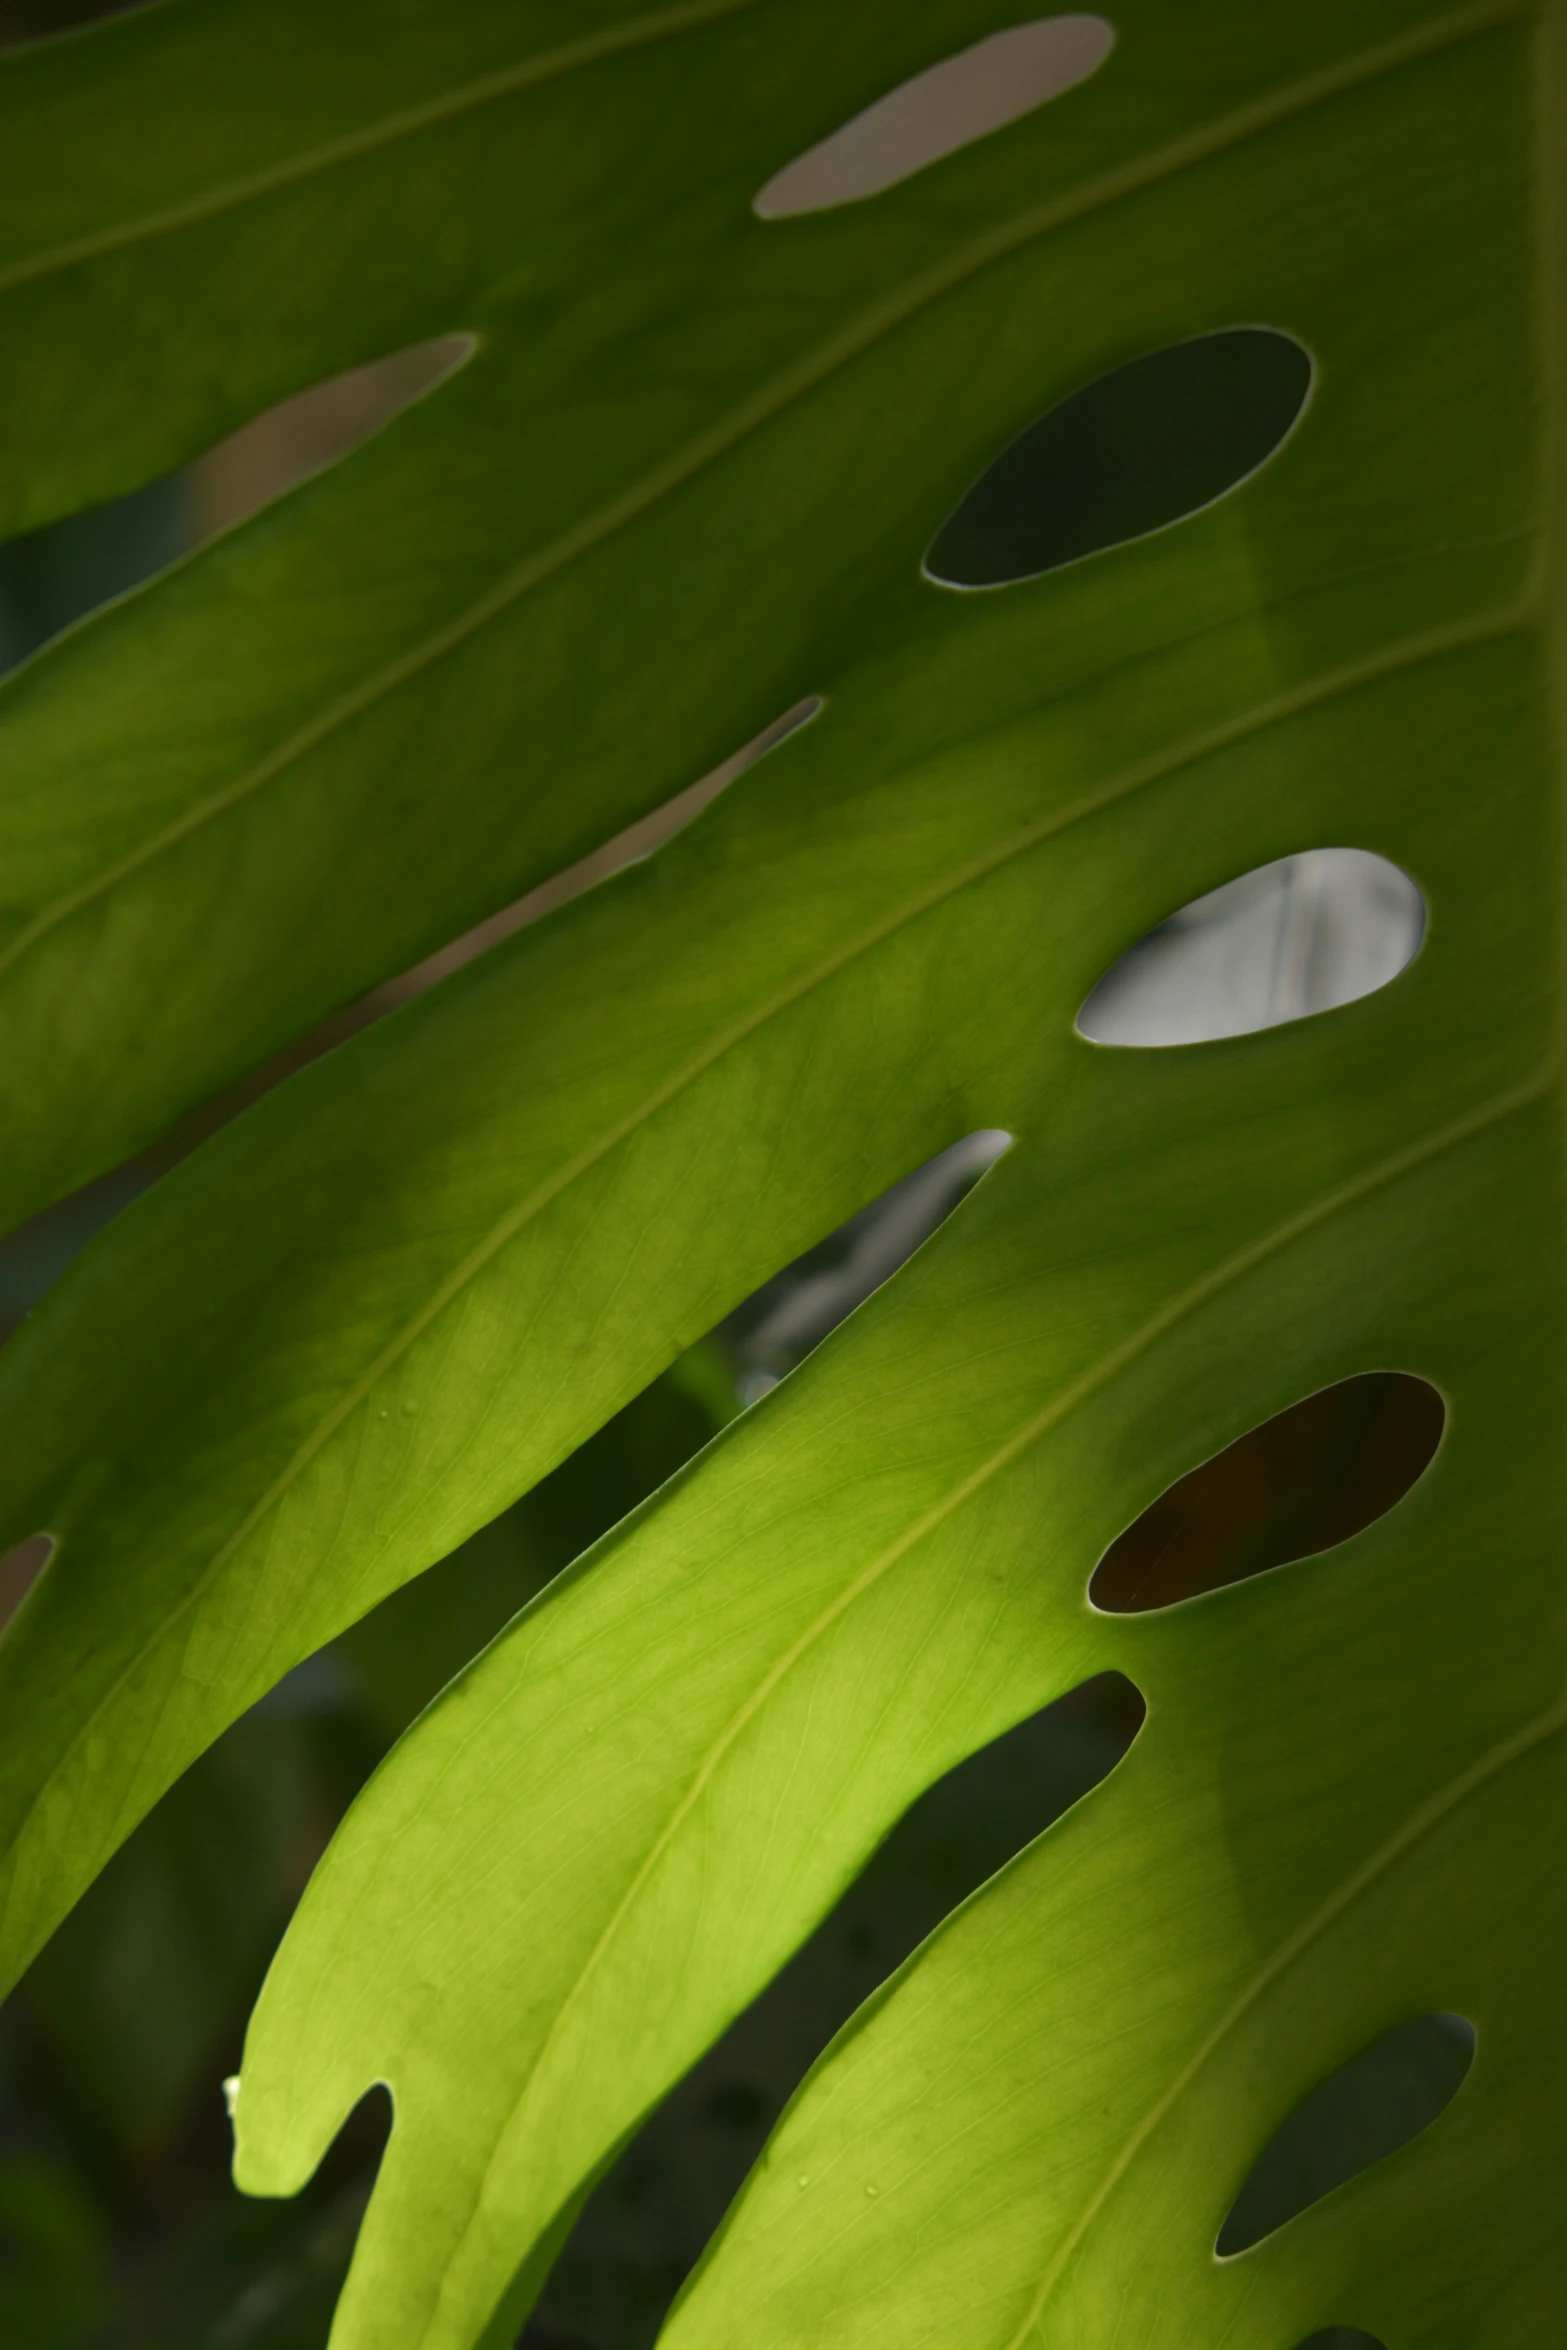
[(688, 480)]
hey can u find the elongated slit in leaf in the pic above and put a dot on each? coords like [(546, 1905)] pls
[(59, 575), (1299, 1483), (782, 1321), (1361, 2114), (1301, 935), (312, 429), (627, 847), (420, 1635), (1147, 445), (940, 111), (34, 1255), (20, 1568)]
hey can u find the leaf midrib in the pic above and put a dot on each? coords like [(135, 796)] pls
[(749, 417)]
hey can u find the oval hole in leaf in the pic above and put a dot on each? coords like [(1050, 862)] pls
[(20, 1568), (1143, 447), (1364, 2112), (1342, 2338), (935, 113), (53, 577), (688, 2161), (1301, 935), (1310, 1477)]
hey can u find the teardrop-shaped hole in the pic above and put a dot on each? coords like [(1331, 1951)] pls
[(934, 113), (1342, 2338), (20, 1568), (1132, 452), (1361, 2114), (1301, 935), (1310, 1477)]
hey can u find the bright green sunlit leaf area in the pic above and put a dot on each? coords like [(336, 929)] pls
[(688, 477)]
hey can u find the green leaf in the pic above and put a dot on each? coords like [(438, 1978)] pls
[(644, 2227), (688, 479), (402, 1653)]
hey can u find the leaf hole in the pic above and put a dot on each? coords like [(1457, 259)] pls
[(935, 113), (34, 1255), (1342, 2338), (312, 429), (20, 1568), (1301, 935), (787, 1317), (58, 575), (1300, 1483), (1145, 446), (627, 847), (1372, 2106)]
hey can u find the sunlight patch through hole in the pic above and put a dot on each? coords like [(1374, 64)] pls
[(1301, 935), (1364, 2112), (1145, 446), (649, 2220), (1299, 1483), (936, 113)]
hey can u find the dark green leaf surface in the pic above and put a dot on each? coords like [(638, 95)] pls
[(637, 526), (688, 478)]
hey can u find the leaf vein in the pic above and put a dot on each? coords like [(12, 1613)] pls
[(750, 416), (1407, 653), (505, 82)]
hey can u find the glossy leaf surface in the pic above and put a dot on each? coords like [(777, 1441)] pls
[(687, 479)]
